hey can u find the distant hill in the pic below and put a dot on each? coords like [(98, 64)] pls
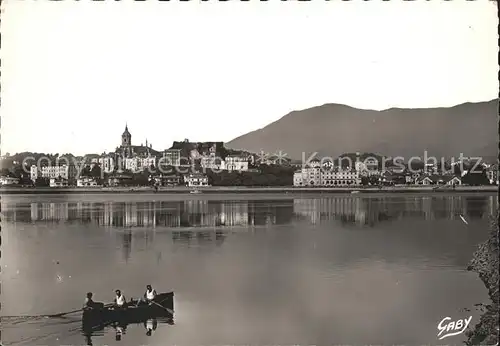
[(333, 129)]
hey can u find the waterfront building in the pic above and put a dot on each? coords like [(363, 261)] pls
[(409, 179), (167, 180), (119, 180), (340, 177), (436, 179), (139, 164), (431, 168), (86, 182), (5, 181), (424, 180), (367, 168), (492, 174), (172, 157), (237, 163), (196, 180), (132, 164), (58, 182), (186, 152), (307, 176), (318, 173), (212, 162), (452, 180), (206, 154), (34, 173), (107, 163), (388, 178), (67, 172), (299, 177)]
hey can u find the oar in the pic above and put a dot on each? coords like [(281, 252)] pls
[(64, 313), (161, 306), (71, 312)]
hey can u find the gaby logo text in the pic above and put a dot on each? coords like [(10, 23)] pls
[(447, 327)]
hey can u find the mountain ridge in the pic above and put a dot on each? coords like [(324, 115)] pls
[(332, 129)]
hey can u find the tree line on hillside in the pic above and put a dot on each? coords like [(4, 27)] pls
[(272, 175)]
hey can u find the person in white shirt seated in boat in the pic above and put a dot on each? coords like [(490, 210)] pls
[(150, 294), (120, 301)]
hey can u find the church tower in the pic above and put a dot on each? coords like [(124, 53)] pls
[(126, 138)]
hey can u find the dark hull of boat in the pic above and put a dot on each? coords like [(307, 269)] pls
[(134, 313)]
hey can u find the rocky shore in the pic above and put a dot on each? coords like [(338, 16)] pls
[(485, 262)]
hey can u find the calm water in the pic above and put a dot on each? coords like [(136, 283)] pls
[(250, 270)]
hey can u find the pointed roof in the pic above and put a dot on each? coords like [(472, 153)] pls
[(437, 178), (126, 130)]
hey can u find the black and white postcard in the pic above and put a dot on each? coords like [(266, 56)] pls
[(249, 172)]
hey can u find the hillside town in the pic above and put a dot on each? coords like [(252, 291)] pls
[(203, 164)]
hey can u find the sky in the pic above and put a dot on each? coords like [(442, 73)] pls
[(74, 73)]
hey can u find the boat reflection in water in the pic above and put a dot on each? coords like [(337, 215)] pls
[(150, 325)]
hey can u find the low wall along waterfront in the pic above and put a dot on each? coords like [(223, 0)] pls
[(243, 189)]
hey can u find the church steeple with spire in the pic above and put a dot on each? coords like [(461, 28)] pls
[(127, 150), (126, 137)]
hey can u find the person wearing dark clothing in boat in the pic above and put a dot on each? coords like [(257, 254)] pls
[(90, 304), (120, 301)]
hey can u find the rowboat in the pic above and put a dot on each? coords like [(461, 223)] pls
[(135, 311)]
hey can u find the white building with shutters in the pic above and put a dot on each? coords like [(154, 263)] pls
[(328, 176)]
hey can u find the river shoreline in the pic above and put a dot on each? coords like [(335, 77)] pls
[(243, 189), (485, 263)]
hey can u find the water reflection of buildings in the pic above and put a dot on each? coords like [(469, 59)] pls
[(190, 237), (326, 209), (49, 211), (221, 214), (189, 213), (370, 210), (202, 213)]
